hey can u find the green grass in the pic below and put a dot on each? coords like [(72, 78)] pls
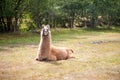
[(97, 56), (19, 38), (57, 35)]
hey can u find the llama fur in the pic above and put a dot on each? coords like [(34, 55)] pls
[(48, 52), (60, 53), (44, 45)]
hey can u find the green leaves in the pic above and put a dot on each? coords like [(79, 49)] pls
[(59, 11)]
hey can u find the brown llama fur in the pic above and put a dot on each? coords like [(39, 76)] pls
[(60, 53), (47, 51)]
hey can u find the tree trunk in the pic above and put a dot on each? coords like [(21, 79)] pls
[(108, 23), (93, 22), (16, 25), (52, 21), (55, 24), (37, 23), (3, 24), (1, 29), (71, 23), (85, 24), (9, 24), (72, 19)]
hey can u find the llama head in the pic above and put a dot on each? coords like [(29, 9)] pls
[(45, 30)]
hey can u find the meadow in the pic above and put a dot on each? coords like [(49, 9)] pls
[(97, 55)]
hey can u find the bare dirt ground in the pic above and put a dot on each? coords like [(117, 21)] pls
[(97, 58)]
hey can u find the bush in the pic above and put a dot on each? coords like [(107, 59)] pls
[(31, 26)]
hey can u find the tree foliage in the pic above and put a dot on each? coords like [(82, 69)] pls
[(59, 12), (10, 12)]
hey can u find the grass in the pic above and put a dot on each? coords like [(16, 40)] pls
[(57, 35), (18, 38), (97, 56)]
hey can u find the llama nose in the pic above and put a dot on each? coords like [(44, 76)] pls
[(45, 30), (45, 33)]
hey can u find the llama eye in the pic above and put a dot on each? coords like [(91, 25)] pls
[(47, 30)]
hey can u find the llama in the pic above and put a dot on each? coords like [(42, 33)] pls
[(48, 52), (44, 46)]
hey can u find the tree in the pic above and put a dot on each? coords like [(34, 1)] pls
[(11, 11), (107, 9), (37, 10), (71, 10), (58, 12)]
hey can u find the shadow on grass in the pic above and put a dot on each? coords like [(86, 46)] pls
[(51, 62), (104, 29), (10, 47), (2, 49), (55, 62)]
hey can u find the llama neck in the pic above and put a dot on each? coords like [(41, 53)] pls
[(46, 41)]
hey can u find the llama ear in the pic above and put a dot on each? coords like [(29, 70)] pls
[(48, 26), (43, 26), (72, 51)]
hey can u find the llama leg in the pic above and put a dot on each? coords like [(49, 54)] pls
[(71, 56), (39, 58), (52, 58)]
